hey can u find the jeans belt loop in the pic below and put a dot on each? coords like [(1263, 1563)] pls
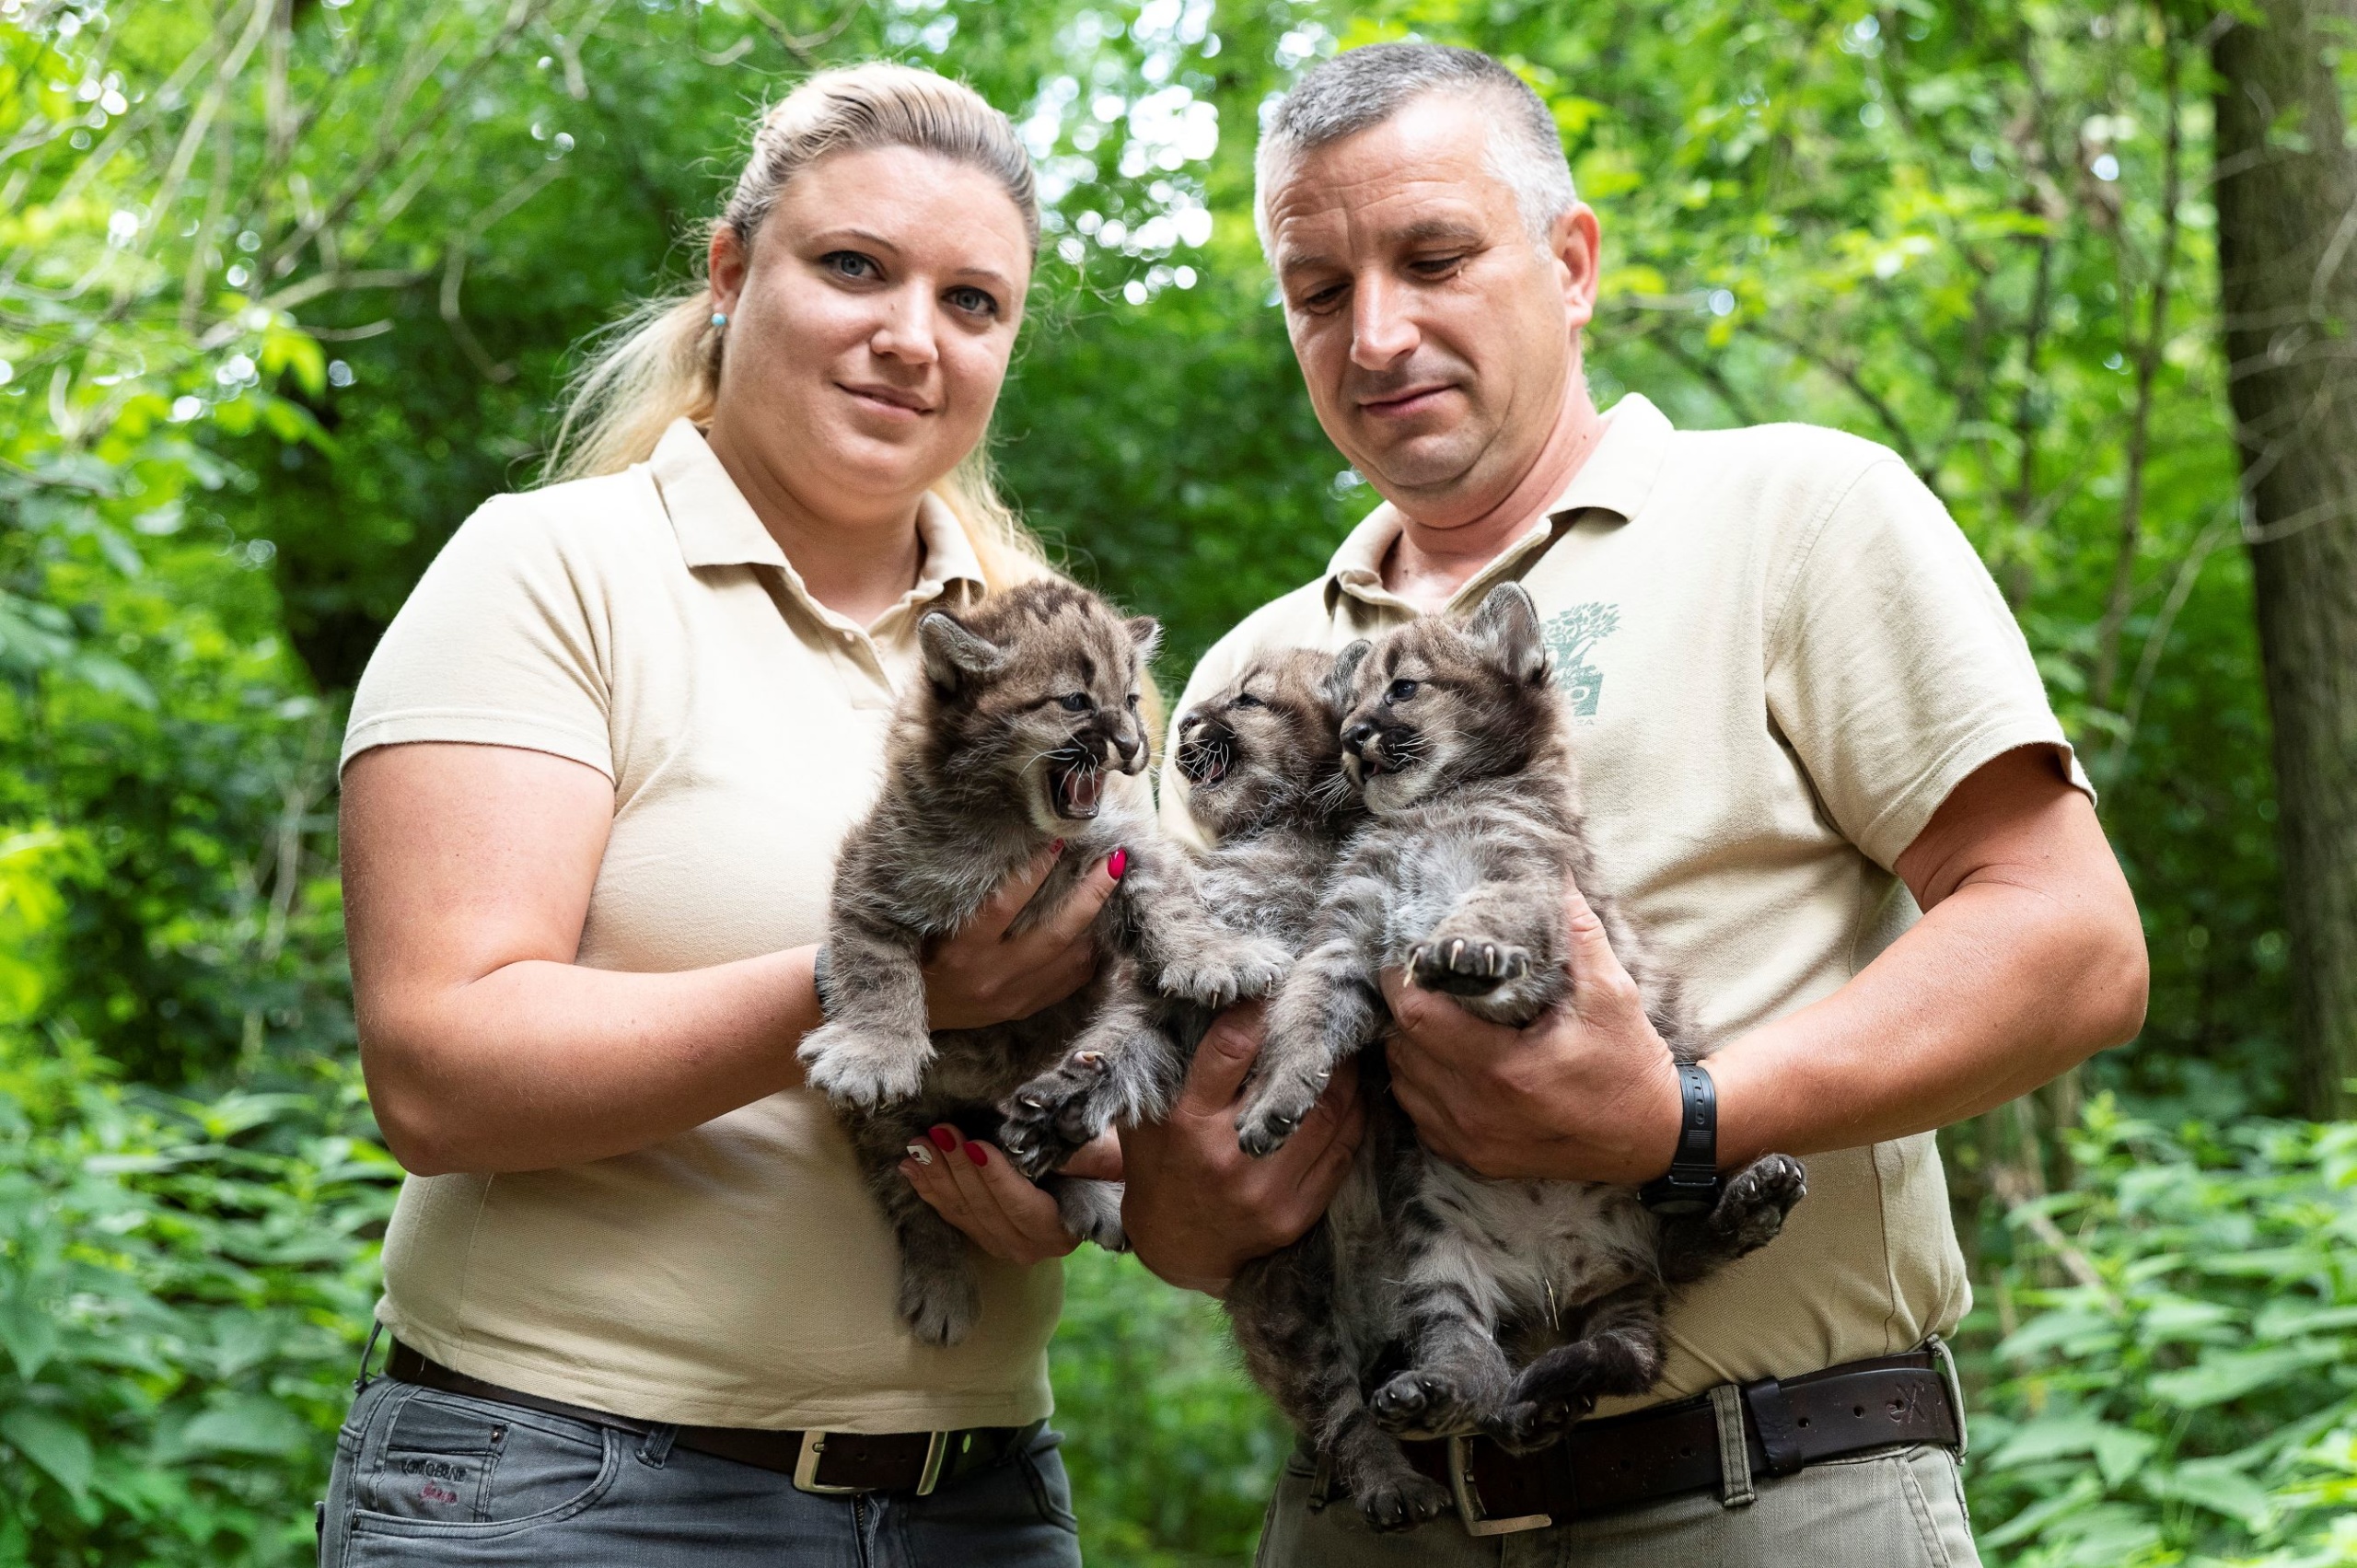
[(655, 1447), (1944, 1354), (1734, 1453)]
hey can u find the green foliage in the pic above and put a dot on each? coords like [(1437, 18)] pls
[(181, 1286), (2176, 1376)]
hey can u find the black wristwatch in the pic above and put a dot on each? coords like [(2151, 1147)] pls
[(1693, 1183)]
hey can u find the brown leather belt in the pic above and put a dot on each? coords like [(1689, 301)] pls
[(1649, 1454), (818, 1461)]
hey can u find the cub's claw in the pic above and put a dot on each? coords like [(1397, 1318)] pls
[(1043, 1122), (1239, 969), (1529, 1425), (1464, 966), (940, 1309), (1403, 1502), (1425, 1404), (1276, 1113)]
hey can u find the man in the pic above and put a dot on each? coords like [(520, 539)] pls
[(1821, 776)]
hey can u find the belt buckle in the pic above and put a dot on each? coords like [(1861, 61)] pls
[(1468, 1501), (814, 1446)]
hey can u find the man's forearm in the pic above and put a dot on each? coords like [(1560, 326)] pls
[(2002, 987)]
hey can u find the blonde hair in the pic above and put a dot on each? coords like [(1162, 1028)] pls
[(661, 362)]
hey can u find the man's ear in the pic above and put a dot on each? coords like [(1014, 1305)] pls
[(953, 656), (1345, 670), (1147, 632), (1504, 627)]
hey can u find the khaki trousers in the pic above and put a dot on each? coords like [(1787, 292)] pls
[(1899, 1507)]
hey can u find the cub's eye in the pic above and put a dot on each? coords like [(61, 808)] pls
[(1245, 700), (1077, 702), (1133, 702), (1400, 691)]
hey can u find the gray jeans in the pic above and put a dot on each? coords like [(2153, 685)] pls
[(425, 1477), (1884, 1508)]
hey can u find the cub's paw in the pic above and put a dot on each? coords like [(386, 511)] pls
[(861, 1069), (1041, 1123), (1246, 967), (1403, 1500), (940, 1309), (1525, 1426), (1426, 1404), (1465, 965), (1092, 1211), (1751, 1211), (1277, 1110)]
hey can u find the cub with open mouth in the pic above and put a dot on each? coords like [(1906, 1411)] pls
[(1029, 704)]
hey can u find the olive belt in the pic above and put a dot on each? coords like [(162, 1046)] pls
[(845, 1462), (1650, 1454)]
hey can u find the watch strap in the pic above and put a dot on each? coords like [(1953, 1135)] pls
[(1693, 1183)]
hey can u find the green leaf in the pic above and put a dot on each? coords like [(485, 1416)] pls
[(2211, 1484), (246, 1423), (57, 1446), (28, 1335), (2221, 1376)]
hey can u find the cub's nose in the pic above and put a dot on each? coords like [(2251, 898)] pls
[(1358, 735), (1129, 747)]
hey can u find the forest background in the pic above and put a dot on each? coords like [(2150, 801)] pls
[(288, 287)]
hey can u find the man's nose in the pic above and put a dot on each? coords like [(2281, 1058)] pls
[(1358, 735), (1383, 332)]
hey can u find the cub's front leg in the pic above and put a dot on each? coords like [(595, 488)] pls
[(874, 1047), (1183, 950), (1116, 1071)]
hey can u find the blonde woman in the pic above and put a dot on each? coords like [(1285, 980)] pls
[(596, 776)]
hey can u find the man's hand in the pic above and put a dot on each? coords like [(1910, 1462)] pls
[(1587, 1093), (1196, 1207)]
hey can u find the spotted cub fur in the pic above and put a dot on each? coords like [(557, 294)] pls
[(1028, 705), (1435, 1301)]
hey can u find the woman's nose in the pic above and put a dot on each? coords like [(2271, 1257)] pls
[(906, 331)]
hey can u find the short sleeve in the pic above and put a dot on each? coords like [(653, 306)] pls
[(1894, 667), (499, 645)]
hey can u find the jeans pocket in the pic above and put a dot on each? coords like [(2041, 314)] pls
[(1043, 1472), (444, 1464)]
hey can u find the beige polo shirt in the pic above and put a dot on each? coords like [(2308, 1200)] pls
[(1780, 656), (645, 624)]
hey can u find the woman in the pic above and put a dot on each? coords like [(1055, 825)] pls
[(595, 777)]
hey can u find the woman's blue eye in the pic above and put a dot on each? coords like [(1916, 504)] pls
[(974, 300), (1078, 703), (1400, 691), (850, 263)]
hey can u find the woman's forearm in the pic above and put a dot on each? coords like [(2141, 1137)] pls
[(540, 1063)]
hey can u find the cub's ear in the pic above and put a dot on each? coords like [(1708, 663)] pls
[(953, 656), (1147, 632), (1337, 690), (1505, 628)]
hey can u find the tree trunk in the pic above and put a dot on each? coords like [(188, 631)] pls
[(2287, 254)]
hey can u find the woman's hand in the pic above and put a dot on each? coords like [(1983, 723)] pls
[(982, 976), (977, 1189)]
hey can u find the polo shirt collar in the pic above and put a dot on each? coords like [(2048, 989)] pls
[(717, 526), (1617, 478)]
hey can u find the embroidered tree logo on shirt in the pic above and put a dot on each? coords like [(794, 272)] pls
[(1570, 635)]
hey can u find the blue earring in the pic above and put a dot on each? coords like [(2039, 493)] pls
[(719, 318)]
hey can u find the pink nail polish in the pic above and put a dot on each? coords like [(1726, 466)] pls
[(944, 1138), (974, 1152), (1117, 863)]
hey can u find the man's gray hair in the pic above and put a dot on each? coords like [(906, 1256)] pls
[(1367, 86)]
